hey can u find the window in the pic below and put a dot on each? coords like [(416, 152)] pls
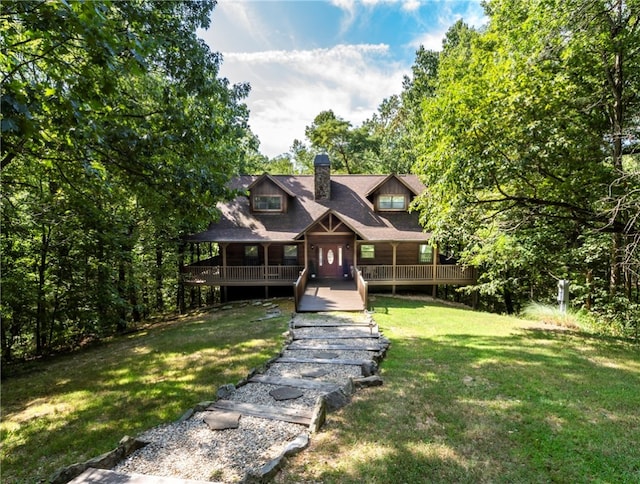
[(290, 255), (251, 255), (391, 202), (267, 203), (425, 254), (367, 251)]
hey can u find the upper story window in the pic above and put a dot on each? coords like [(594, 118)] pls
[(267, 203), (392, 202)]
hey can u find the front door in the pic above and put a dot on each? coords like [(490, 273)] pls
[(330, 261)]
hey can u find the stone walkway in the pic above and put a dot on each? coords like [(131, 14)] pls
[(244, 435)]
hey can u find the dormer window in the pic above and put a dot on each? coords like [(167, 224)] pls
[(267, 203), (392, 202)]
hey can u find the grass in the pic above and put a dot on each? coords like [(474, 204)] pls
[(551, 315), (475, 397), (468, 397), (72, 408)]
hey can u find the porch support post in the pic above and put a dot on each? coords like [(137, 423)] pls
[(266, 259), (224, 295), (306, 253), (266, 269), (393, 269), (434, 291), (224, 261), (356, 247)]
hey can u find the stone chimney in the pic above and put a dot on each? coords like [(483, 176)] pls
[(322, 177)]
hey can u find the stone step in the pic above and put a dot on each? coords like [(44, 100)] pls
[(103, 476), (295, 382), (330, 324), (344, 347), (292, 415), (339, 335), (324, 361)]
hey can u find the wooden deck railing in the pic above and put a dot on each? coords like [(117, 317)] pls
[(363, 288), (418, 274), (221, 275), (373, 274), (298, 288)]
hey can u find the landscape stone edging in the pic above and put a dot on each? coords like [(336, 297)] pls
[(126, 447), (271, 468)]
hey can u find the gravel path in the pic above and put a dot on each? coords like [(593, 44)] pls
[(191, 450)]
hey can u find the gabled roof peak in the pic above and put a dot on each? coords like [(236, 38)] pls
[(266, 176), (385, 180)]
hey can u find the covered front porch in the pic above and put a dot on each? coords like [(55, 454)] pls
[(328, 264)]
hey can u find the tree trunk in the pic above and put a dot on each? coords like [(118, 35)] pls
[(615, 79), (192, 291), (122, 319), (41, 315), (4, 340), (182, 307), (589, 280), (508, 301), (159, 279)]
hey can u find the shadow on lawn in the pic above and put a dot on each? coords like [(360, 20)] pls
[(80, 405), (530, 406)]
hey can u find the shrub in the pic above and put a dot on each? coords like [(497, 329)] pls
[(549, 314)]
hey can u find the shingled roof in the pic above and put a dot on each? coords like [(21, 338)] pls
[(349, 202)]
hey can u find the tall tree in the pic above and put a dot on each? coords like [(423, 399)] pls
[(118, 137), (351, 149), (522, 132)]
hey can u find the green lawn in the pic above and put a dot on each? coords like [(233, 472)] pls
[(475, 397), (75, 407), (468, 397)]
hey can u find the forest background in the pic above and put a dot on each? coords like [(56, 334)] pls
[(119, 136)]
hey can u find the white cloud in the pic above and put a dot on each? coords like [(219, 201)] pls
[(289, 88), (411, 5), (473, 15), (349, 5)]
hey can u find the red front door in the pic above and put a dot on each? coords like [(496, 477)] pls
[(330, 261)]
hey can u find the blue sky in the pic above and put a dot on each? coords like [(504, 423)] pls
[(302, 56)]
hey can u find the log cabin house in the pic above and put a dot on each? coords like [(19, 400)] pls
[(298, 230)]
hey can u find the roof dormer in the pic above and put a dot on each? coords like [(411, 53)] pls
[(268, 195), (392, 194)]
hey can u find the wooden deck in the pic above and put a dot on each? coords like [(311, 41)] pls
[(279, 275), (330, 296)]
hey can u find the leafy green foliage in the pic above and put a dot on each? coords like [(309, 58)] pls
[(118, 138), (350, 149), (520, 148)]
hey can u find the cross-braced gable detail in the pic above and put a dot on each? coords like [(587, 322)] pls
[(330, 223)]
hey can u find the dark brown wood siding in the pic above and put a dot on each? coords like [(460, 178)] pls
[(393, 187), (406, 254), (236, 254)]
